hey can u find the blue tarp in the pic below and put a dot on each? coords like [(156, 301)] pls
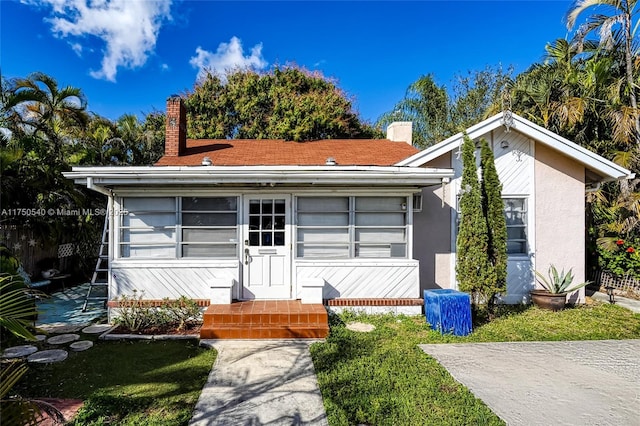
[(448, 311)]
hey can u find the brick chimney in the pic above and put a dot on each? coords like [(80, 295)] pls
[(175, 142), (400, 131)]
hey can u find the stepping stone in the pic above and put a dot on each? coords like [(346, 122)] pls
[(19, 351), (81, 345), (40, 337), (60, 328), (62, 339), (361, 327), (97, 328), (46, 357)]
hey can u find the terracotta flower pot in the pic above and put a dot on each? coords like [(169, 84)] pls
[(545, 300)]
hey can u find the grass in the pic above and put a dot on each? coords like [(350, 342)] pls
[(377, 378), (127, 383), (382, 378)]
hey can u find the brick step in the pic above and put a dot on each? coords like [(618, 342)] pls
[(262, 318), (265, 332), (288, 319)]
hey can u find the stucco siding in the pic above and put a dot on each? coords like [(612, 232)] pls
[(560, 215), (432, 232)]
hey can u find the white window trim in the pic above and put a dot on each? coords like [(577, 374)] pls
[(527, 226)]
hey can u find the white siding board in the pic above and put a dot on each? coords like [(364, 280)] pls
[(514, 162), (361, 280), (520, 281), (159, 282)]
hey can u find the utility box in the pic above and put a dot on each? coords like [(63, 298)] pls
[(448, 311)]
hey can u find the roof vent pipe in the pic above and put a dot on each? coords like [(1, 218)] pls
[(206, 161), (330, 161)]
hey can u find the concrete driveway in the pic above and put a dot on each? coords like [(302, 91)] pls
[(550, 383)]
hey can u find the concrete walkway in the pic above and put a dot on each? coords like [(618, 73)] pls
[(550, 383), (626, 302), (259, 382)]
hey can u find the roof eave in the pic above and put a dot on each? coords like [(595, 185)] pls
[(258, 176), (608, 170)]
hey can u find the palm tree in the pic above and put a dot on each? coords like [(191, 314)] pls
[(622, 15), (427, 106), (43, 108)]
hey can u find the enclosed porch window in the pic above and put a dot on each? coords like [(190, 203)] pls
[(351, 227), (179, 227)]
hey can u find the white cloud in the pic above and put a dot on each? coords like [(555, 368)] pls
[(76, 47), (227, 57), (128, 28)]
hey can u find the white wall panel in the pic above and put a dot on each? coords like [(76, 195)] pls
[(159, 282), (513, 163), (363, 280)]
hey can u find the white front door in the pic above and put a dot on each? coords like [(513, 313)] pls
[(267, 247)]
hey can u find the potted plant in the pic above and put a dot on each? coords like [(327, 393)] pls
[(555, 288)]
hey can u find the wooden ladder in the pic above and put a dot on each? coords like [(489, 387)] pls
[(100, 279)]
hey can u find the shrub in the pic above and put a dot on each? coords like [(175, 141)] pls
[(181, 312), (134, 313), (624, 259), (137, 314)]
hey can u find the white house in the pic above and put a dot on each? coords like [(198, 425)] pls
[(367, 223)]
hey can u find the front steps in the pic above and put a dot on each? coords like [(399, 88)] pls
[(265, 319)]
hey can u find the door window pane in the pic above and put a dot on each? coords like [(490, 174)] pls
[(267, 222)]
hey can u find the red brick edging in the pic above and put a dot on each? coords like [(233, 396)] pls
[(203, 303), (374, 302)]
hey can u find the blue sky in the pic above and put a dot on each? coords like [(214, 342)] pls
[(128, 56)]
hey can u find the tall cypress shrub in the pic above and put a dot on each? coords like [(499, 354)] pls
[(472, 265), (493, 207)]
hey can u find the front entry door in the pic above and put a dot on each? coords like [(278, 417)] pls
[(267, 247)]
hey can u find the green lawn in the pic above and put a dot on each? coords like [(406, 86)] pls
[(382, 378), (127, 383), (377, 378)]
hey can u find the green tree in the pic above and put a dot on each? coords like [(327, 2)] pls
[(43, 127), (426, 105), (37, 106), (613, 29), (493, 209), (437, 113), (472, 245), (285, 103)]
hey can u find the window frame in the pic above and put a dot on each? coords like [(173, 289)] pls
[(525, 225), (178, 242), (354, 244)]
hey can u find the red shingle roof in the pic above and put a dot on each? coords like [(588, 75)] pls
[(240, 152)]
